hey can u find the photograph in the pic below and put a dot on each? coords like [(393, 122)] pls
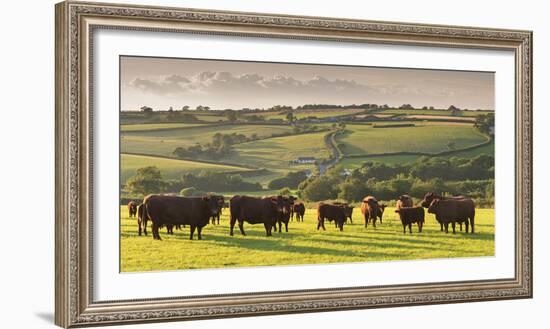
[(229, 164)]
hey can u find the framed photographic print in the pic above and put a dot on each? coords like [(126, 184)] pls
[(219, 164)]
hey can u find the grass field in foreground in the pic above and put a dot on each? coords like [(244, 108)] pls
[(303, 244)]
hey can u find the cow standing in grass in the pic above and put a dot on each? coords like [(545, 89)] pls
[(285, 215), (132, 209), (370, 210), (330, 212), (254, 210), (410, 215), (453, 211), (429, 197), (142, 219), (348, 210), (299, 209), (176, 210)]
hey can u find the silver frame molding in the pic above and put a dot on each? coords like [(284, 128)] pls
[(75, 24)]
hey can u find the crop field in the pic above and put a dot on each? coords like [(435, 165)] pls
[(170, 168), (303, 244), (364, 139), (156, 126)]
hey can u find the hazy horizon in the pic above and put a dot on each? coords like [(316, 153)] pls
[(161, 83)]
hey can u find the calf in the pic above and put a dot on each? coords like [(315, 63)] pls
[(330, 212), (381, 209), (410, 215)]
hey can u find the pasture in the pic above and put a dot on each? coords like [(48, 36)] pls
[(303, 244), (364, 139), (170, 168)]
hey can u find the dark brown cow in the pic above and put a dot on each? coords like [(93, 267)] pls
[(429, 197), (381, 208), (370, 210), (132, 209), (218, 214), (284, 216), (176, 210), (332, 213), (453, 211), (299, 209), (254, 210), (348, 210), (403, 201), (410, 215)]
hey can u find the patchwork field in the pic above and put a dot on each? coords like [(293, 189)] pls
[(320, 113), (303, 244)]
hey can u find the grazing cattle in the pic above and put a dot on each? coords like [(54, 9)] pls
[(453, 211), (132, 209), (299, 209), (218, 214), (410, 215), (370, 210), (176, 210), (429, 197), (348, 210), (403, 201), (142, 219), (284, 216), (255, 211), (332, 213)]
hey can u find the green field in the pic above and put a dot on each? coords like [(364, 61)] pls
[(170, 168), (364, 139), (303, 244), (164, 142), (434, 112)]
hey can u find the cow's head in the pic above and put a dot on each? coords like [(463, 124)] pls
[(434, 206), (282, 204), (213, 203), (428, 198)]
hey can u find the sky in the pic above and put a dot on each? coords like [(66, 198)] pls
[(162, 83)]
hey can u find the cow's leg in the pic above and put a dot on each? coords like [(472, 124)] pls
[(419, 227), (192, 231), (213, 220), (410, 228), (218, 219), (404, 228), (374, 222), (156, 235), (472, 222), (286, 227), (281, 227), (341, 225), (145, 226), (241, 227), (199, 231), (467, 224), (366, 221), (441, 224), (447, 227), (267, 229), (453, 224), (460, 226), (139, 227), (231, 224)]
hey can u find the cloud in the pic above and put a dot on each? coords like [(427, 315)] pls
[(220, 83)]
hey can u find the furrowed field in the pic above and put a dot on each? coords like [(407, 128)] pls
[(303, 244)]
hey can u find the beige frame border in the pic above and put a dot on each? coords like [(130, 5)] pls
[(76, 21)]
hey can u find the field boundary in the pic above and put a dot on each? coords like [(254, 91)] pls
[(193, 160)]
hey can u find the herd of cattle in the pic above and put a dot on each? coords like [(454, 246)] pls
[(274, 211)]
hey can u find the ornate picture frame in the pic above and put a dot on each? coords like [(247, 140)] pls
[(76, 23)]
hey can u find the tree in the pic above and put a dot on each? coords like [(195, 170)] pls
[(230, 115), (290, 117), (147, 180), (455, 111), (147, 111)]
